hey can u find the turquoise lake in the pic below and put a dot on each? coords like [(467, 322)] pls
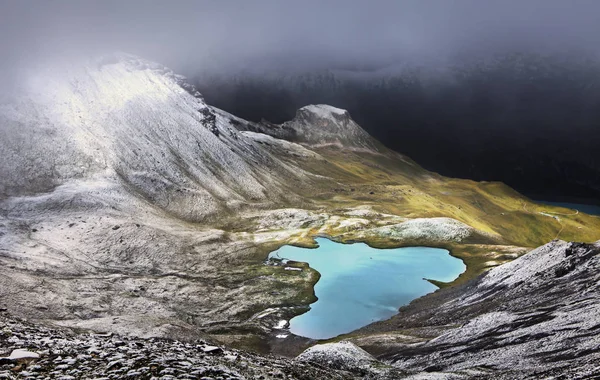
[(360, 285), (588, 209)]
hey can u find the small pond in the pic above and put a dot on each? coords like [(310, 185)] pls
[(360, 285)]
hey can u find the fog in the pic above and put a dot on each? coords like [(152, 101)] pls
[(529, 122), (232, 35)]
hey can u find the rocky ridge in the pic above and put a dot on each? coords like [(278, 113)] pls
[(321, 125), (534, 317)]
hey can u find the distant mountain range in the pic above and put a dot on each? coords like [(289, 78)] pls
[(528, 120)]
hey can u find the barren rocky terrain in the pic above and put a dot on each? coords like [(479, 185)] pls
[(42, 353), (128, 205), (535, 317)]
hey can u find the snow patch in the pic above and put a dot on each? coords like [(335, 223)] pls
[(290, 147), (291, 218), (353, 223), (23, 354), (324, 110)]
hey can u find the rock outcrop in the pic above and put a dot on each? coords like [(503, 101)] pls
[(535, 317), (344, 356)]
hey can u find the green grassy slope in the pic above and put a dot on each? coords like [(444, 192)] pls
[(395, 185)]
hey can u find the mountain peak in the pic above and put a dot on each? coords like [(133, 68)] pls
[(321, 125), (325, 111)]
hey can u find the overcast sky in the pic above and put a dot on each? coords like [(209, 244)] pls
[(234, 34)]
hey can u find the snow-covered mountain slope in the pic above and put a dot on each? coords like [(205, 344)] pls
[(138, 123)]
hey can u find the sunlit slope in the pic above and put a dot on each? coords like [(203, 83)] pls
[(392, 184), (501, 224)]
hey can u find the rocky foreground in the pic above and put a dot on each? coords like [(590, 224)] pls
[(29, 351)]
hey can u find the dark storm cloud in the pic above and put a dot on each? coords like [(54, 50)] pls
[(222, 34)]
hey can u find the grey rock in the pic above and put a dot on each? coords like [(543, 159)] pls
[(212, 350), (534, 317)]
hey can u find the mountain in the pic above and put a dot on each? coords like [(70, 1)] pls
[(528, 120), (137, 124), (128, 204), (322, 125)]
